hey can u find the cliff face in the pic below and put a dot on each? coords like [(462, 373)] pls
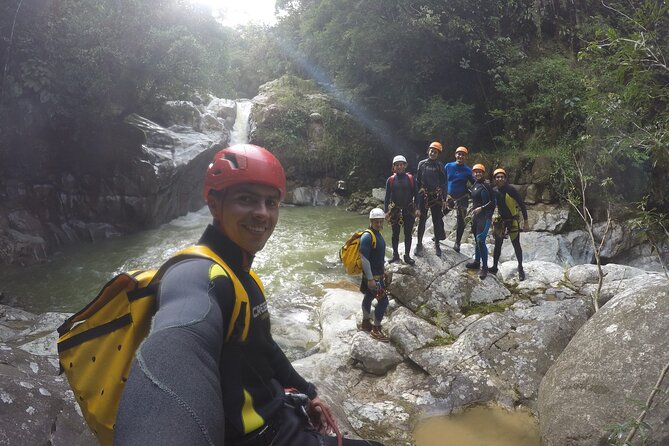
[(70, 181), (127, 176)]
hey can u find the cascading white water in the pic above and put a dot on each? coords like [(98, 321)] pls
[(240, 131)]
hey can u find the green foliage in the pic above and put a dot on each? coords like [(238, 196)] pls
[(292, 129), (619, 432), (442, 341), (444, 121), (628, 117), (92, 60), (652, 226), (485, 308), (539, 97)]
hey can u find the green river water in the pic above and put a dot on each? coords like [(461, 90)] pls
[(299, 258)]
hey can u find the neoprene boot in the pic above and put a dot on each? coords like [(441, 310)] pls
[(437, 249), (484, 273), (419, 249), (396, 258), (378, 334), (408, 260), (473, 265), (366, 325), (521, 273), (493, 269)]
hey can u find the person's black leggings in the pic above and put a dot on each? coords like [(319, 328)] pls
[(437, 222), (408, 220)]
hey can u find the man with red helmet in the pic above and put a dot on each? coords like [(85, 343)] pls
[(188, 385)]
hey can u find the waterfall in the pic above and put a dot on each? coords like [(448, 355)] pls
[(240, 131)]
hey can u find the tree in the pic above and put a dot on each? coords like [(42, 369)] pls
[(627, 97)]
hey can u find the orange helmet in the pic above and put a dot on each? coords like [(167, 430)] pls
[(436, 146), (462, 149), (244, 163), (480, 167), (498, 170)]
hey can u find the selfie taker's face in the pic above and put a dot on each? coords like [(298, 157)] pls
[(247, 214)]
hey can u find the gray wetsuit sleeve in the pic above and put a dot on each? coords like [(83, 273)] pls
[(173, 392)]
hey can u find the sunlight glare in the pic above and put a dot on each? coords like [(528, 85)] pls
[(241, 12)]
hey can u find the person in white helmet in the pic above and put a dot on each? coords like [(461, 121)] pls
[(399, 205), (373, 285)]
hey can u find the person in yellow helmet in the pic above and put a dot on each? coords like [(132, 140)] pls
[(430, 182), (510, 205)]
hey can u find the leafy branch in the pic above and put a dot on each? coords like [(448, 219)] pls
[(638, 424), (654, 227), (575, 192)]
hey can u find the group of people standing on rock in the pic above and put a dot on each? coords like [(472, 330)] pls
[(437, 190)]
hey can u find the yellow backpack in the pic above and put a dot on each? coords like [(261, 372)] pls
[(349, 254), (97, 344)]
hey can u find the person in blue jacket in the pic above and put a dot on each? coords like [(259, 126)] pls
[(399, 207), (458, 177), (373, 285), (483, 206)]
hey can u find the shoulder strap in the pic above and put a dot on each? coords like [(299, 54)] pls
[(369, 231), (391, 180), (241, 297)]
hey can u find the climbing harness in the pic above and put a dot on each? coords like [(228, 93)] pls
[(431, 198), (396, 214)]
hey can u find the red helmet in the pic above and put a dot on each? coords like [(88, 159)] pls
[(244, 163)]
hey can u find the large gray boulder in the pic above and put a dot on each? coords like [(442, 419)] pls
[(438, 286), (36, 403), (614, 360), (502, 357)]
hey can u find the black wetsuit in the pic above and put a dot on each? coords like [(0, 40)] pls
[(399, 200), (188, 386), (430, 182), (509, 203), (482, 196)]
